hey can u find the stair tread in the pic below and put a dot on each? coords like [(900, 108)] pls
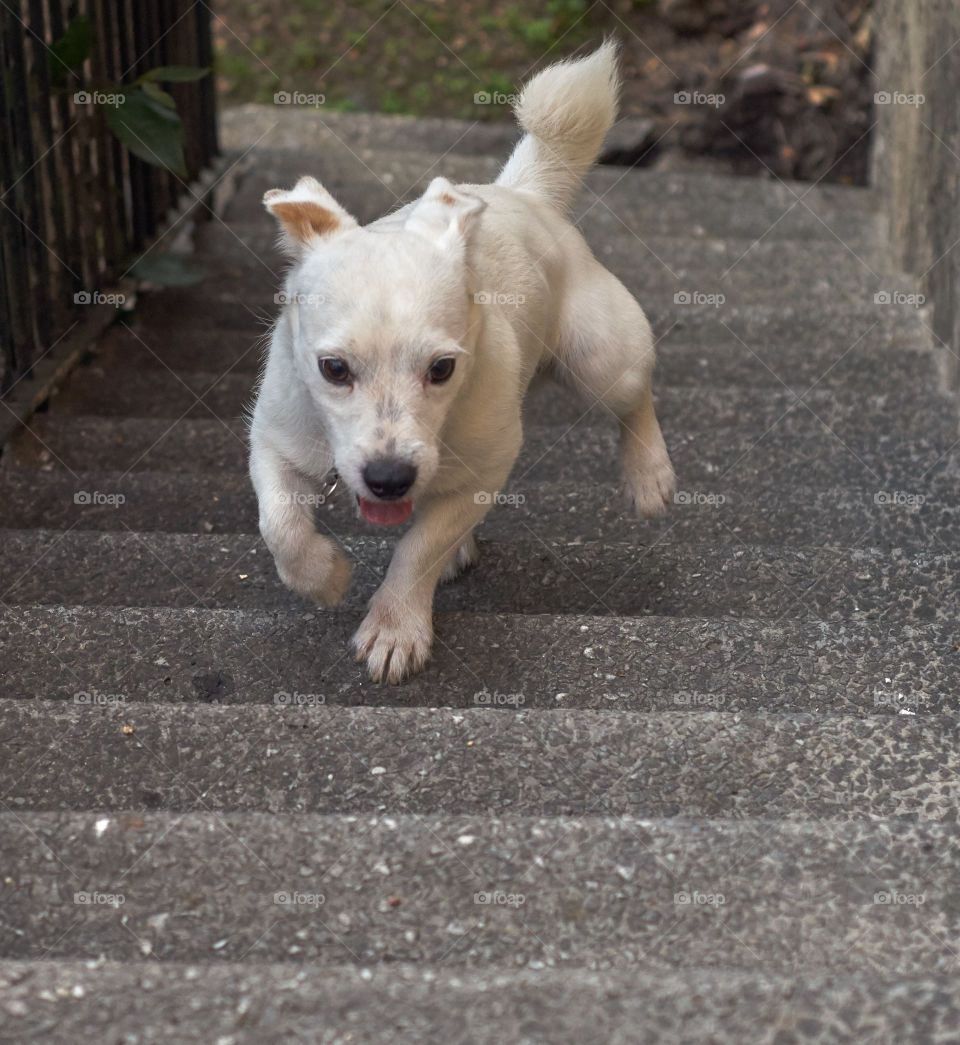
[(597, 890), (843, 323), (912, 410), (90, 443), (407, 1003), (469, 761), (245, 265), (375, 180), (557, 661), (662, 579), (554, 498), (887, 355)]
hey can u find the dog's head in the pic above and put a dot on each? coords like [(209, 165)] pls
[(379, 319)]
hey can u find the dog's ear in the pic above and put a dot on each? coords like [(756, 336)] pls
[(444, 213), (306, 213)]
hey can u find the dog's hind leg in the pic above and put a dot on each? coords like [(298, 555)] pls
[(605, 353), (644, 461)]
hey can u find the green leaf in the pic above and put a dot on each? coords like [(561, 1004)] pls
[(172, 270), (149, 129), (160, 94), (71, 50), (174, 74)]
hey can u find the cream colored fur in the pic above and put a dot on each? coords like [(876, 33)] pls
[(494, 276)]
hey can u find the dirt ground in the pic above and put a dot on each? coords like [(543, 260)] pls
[(778, 88)]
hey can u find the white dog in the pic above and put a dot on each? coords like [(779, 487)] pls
[(405, 348)]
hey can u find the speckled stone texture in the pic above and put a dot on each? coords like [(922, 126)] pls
[(690, 780), (360, 759), (653, 663), (465, 892), (247, 1003)]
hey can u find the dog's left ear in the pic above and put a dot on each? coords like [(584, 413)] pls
[(306, 213), (444, 213)]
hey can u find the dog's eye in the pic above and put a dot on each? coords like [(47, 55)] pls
[(335, 370), (441, 370)]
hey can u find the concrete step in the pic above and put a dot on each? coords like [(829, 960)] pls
[(129, 345), (110, 392), (215, 758), (120, 656), (840, 325), (557, 501), (468, 762), (616, 578), (583, 453), (912, 412), (284, 129), (884, 357), (735, 269), (247, 1003), (370, 182), (600, 892)]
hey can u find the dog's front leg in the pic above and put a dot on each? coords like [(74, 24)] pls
[(312, 565), (397, 633)]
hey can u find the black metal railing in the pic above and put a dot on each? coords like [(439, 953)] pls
[(75, 204)]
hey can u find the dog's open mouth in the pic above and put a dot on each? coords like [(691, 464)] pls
[(385, 513)]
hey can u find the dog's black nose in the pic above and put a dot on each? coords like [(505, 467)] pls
[(388, 478)]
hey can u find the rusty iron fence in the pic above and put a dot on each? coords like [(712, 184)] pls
[(77, 205)]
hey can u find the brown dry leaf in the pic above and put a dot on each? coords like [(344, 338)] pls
[(820, 94)]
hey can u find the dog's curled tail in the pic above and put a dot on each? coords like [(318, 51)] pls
[(566, 111)]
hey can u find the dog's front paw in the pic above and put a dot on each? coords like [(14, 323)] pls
[(394, 643), (652, 489), (318, 570)]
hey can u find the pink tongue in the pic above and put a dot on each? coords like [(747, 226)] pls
[(385, 513)]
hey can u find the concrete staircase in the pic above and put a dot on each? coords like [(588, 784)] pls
[(694, 780)]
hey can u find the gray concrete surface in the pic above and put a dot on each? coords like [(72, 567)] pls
[(750, 704)]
